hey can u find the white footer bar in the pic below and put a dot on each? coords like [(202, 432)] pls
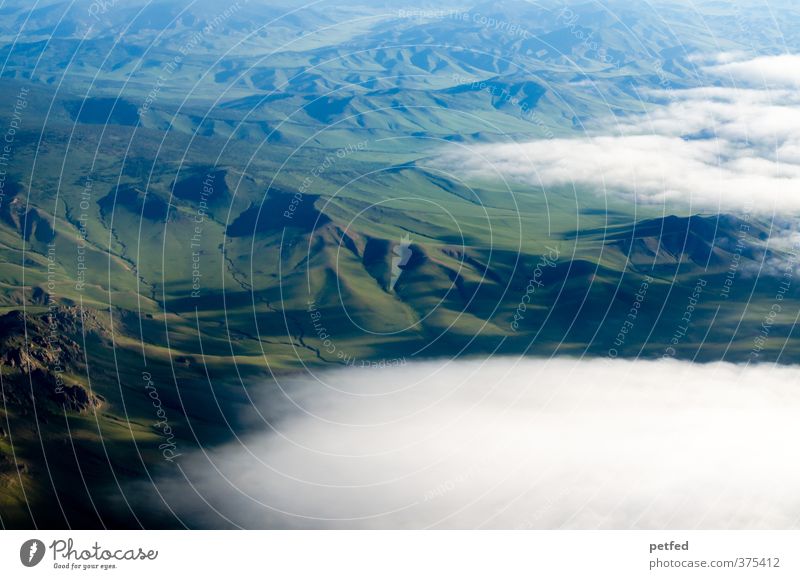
[(401, 554)]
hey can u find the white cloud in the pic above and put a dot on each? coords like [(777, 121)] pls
[(714, 148), (514, 443), (718, 58), (770, 71)]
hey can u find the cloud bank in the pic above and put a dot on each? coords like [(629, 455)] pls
[(714, 148), (771, 71), (510, 443)]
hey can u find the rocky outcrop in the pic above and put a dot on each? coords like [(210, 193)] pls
[(41, 359)]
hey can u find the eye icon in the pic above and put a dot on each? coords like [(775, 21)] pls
[(32, 552)]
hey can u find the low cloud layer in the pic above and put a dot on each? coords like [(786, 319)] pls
[(512, 444), (717, 148), (770, 71)]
